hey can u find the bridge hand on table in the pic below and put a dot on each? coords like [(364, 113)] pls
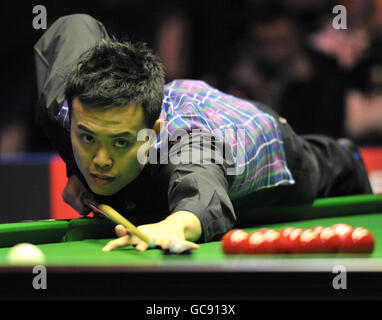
[(162, 233)]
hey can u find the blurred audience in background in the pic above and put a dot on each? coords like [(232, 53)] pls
[(363, 119), (284, 53), (357, 49), (278, 68)]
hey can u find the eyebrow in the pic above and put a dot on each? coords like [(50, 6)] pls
[(127, 134)]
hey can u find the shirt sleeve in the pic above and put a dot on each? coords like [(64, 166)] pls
[(199, 184)]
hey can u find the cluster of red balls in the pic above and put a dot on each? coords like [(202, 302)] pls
[(333, 239)]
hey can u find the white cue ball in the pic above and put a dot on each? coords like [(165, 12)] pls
[(25, 254)]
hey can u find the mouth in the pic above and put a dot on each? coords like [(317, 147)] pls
[(101, 179)]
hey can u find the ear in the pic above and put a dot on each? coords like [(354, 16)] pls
[(157, 126)]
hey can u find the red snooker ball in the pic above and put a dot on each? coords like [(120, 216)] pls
[(232, 241), (362, 241), (294, 238), (330, 240), (272, 238), (285, 245), (255, 242), (260, 242), (344, 233), (310, 241)]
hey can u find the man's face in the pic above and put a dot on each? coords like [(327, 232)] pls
[(105, 145)]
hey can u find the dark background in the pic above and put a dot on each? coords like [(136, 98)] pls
[(262, 50)]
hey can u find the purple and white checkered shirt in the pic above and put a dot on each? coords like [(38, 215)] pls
[(190, 104)]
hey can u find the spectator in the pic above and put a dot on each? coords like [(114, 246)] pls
[(303, 85), (364, 98), (358, 49)]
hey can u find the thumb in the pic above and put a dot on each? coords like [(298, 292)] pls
[(191, 245)]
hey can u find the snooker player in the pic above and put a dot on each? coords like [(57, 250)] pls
[(97, 95)]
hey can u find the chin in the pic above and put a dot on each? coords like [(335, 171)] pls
[(108, 189), (102, 192)]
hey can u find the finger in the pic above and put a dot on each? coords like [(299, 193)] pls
[(82, 203), (167, 242), (188, 245), (81, 207), (191, 245), (84, 211), (121, 231), (183, 245), (117, 243), (141, 246)]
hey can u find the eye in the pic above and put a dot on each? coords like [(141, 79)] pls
[(121, 143), (85, 138)]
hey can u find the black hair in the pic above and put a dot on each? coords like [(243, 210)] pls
[(114, 73)]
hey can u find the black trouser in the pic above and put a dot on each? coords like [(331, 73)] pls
[(319, 165)]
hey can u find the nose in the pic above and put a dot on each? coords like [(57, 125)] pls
[(102, 160)]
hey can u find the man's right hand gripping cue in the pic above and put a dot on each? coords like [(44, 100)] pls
[(73, 194)]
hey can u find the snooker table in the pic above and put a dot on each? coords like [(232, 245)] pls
[(78, 269)]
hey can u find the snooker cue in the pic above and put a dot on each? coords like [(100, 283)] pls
[(117, 218)]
